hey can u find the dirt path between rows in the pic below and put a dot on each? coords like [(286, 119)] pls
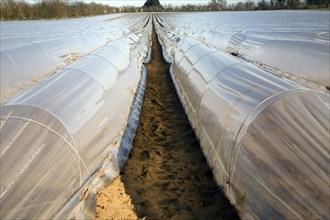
[(166, 175)]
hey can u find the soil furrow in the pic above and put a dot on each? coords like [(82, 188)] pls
[(166, 175)]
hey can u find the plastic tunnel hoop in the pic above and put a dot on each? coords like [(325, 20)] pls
[(72, 146), (69, 140), (62, 110), (232, 138), (55, 151), (251, 116), (285, 164)]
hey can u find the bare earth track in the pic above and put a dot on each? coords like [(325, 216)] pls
[(166, 175)]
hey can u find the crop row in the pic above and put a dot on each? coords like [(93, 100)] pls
[(255, 95), (57, 136), (265, 137)]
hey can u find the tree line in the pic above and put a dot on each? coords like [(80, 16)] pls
[(292, 4), (249, 5), (50, 9), (58, 9)]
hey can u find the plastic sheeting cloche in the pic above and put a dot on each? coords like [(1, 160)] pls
[(290, 44), (266, 138), (48, 46), (56, 135)]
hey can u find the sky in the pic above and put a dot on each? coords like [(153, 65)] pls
[(139, 3)]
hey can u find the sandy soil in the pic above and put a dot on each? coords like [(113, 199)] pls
[(114, 203), (166, 175)]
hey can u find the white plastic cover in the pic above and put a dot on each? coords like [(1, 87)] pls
[(291, 44), (306, 60), (284, 159), (56, 135), (19, 70), (50, 45), (20, 33), (265, 138)]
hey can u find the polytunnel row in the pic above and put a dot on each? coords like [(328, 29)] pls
[(56, 135), (20, 33), (277, 25), (265, 138), (291, 53), (20, 71), (303, 60)]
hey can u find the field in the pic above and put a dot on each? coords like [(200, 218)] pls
[(166, 115)]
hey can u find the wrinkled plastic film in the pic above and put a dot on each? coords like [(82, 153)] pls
[(224, 105), (291, 45), (83, 204), (269, 141), (297, 168), (46, 148), (52, 50), (77, 108)]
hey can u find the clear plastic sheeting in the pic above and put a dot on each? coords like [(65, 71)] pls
[(20, 33), (10, 41), (300, 59), (83, 204), (26, 60), (56, 135), (284, 159), (310, 60), (278, 24), (47, 147), (165, 38), (265, 138), (218, 39), (19, 70), (291, 44)]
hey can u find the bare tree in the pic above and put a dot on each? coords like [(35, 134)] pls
[(218, 5)]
